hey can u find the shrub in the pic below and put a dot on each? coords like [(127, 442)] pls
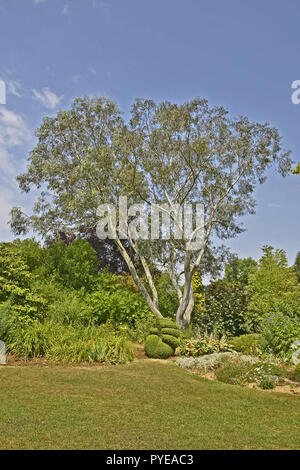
[(225, 311), (234, 374), (171, 332), (59, 343), (74, 266), (166, 323), (246, 344), (155, 348), (279, 331), (296, 373), (213, 361), (167, 296), (171, 341), (154, 331), (266, 370), (6, 320), (69, 310), (267, 384), (16, 282), (206, 345), (199, 301), (118, 306), (273, 285), (235, 369), (143, 327), (162, 340)]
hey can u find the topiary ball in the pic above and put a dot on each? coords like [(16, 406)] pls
[(166, 323), (154, 331), (155, 348), (171, 332), (172, 341)]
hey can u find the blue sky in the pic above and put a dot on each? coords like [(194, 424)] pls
[(242, 55)]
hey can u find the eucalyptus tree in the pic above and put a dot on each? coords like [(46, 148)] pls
[(166, 156)]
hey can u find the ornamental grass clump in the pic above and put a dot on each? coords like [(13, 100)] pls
[(59, 343)]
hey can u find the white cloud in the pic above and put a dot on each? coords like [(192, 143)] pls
[(38, 1), (46, 98), (273, 205), (13, 129), (6, 163), (13, 132), (14, 88)]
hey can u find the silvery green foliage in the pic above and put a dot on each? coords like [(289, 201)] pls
[(213, 361), (296, 352), (167, 153)]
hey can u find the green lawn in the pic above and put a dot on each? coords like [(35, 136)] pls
[(143, 405)]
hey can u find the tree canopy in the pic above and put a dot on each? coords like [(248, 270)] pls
[(273, 284), (166, 154)]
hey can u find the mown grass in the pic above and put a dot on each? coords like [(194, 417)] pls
[(142, 405)]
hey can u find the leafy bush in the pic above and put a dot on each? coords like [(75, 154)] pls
[(6, 320), (171, 341), (154, 331), (206, 345), (266, 370), (59, 343), (234, 374), (273, 285), (16, 282), (166, 323), (168, 299), (69, 310), (155, 348), (171, 331), (167, 339), (238, 269), (225, 311), (246, 344), (143, 327), (118, 306), (75, 266), (213, 361), (199, 301), (241, 372), (296, 373), (236, 369), (279, 331), (267, 384)]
